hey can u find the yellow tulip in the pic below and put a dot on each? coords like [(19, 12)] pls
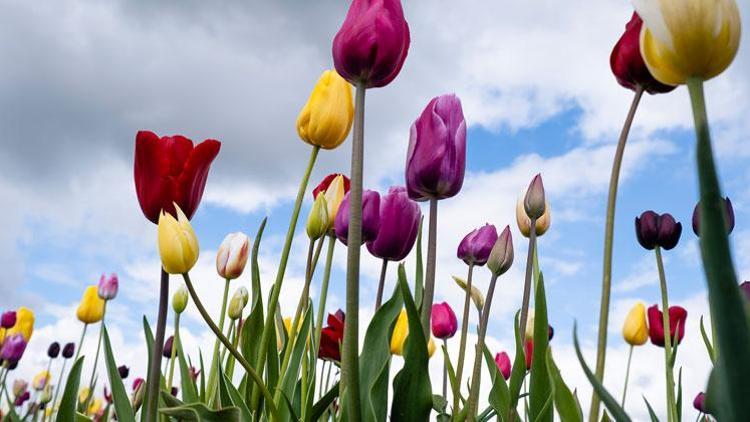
[(683, 39), (401, 333), (24, 323), (524, 222), (83, 395), (635, 328), (96, 407), (327, 117), (41, 380), (178, 245), (334, 196), (91, 308)]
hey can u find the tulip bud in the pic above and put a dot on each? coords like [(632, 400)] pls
[(20, 400), (41, 380), (124, 371), (331, 180), (232, 255), (729, 216), (401, 333), (178, 245), (399, 226), (91, 308), (327, 117), (174, 391), (13, 347), (108, 287), (475, 247), (635, 329), (83, 395), (654, 230), (194, 373), (443, 320), (334, 194), (107, 395), (168, 345), (237, 303), (528, 352), (53, 350), (529, 334), (46, 395), (19, 387), (137, 383), (677, 317), (476, 295), (317, 221), (534, 202), (699, 402), (503, 364), (180, 300), (138, 393), (501, 256), (69, 350), (669, 231), (524, 222), (8, 319), (24, 323), (370, 217)]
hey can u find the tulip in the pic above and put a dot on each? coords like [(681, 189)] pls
[(654, 230), (534, 202), (436, 158), (399, 226), (729, 217), (677, 317), (372, 44), (41, 380), (91, 308), (8, 319), (327, 117), (19, 387), (627, 63), (108, 286), (96, 407), (503, 364), (137, 383), (524, 222), (317, 220), (332, 179), (178, 245), (167, 350), (401, 333), (528, 352), (138, 393), (124, 371), (13, 348), (635, 329), (237, 303), (83, 395), (53, 350), (180, 300), (68, 350), (232, 255), (501, 255), (194, 373), (20, 400), (169, 171), (334, 195), (444, 321), (24, 323), (475, 247), (370, 217), (46, 395), (745, 289), (331, 337), (476, 295), (684, 39), (107, 395), (699, 402)]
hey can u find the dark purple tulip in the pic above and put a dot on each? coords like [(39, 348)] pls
[(728, 208), (373, 42), (69, 350), (370, 217), (399, 225), (20, 400), (476, 246), (436, 160), (8, 319), (669, 231), (138, 382), (13, 348), (167, 351), (745, 289), (53, 350), (124, 371), (654, 230), (174, 391), (13, 365), (699, 402)]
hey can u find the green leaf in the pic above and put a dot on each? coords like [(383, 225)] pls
[(289, 382), (412, 391), (565, 401), (375, 360), (322, 405), (612, 405), (222, 393), (707, 342), (499, 397), (82, 418), (540, 391), (254, 267), (235, 398), (199, 412), (119, 395), (149, 335), (67, 410), (203, 378), (679, 396), (651, 412), (518, 370), (189, 390)]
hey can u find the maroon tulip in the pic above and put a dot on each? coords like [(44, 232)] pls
[(728, 209), (370, 217), (8, 319), (170, 170), (124, 371), (137, 383), (167, 350), (654, 230), (331, 337), (627, 63), (68, 350), (677, 317), (373, 42), (699, 402), (323, 185), (399, 225), (13, 348), (503, 364), (20, 400), (444, 322), (476, 246), (53, 351)]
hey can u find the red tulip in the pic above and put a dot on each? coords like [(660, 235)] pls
[(528, 351), (170, 170), (677, 317), (331, 337), (503, 364), (323, 185)]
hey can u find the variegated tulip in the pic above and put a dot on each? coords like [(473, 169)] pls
[(232, 255)]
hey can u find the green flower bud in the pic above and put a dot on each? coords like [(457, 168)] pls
[(237, 303), (501, 256), (317, 221), (533, 202), (180, 300)]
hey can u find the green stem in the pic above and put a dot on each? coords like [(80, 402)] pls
[(270, 326), (57, 387), (429, 283), (151, 402), (627, 377), (213, 381), (527, 283), (462, 341), (350, 355), (80, 342), (667, 337), (379, 296), (324, 287), (609, 229), (445, 371), (175, 342), (237, 355), (473, 401), (96, 357)]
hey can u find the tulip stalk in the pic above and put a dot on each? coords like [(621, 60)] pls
[(59, 382), (627, 376), (213, 381), (174, 350), (324, 288), (379, 297), (669, 371), (96, 357), (462, 341), (80, 342), (527, 282), (429, 284), (154, 375), (473, 400), (609, 229), (445, 370)]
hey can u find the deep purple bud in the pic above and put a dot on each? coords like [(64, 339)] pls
[(69, 350), (167, 351), (373, 42), (13, 348), (476, 246), (399, 225), (436, 160), (20, 400), (108, 286), (444, 322), (728, 209), (124, 371), (654, 230), (550, 333), (13, 365), (53, 350), (669, 231), (8, 319), (370, 217), (699, 402), (174, 391)]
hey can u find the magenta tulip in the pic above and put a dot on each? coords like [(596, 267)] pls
[(13, 348), (503, 364), (399, 225), (476, 246), (370, 217), (8, 319), (444, 322)]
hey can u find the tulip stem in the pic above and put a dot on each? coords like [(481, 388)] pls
[(96, 357), (667, 337), (273, 302), (57, 387), (627, 376), (350, 355), (80, 341), (213, 381), (154, 373), (237, 355), (445, 371), (379, 297), (462, 342), (324, 288), (429, 284), (175, 342), (609, 228), (527, 283), (473, 402)]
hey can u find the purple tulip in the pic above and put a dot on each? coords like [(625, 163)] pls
[(124, 371), (436, 160), (444, 322), (503, 364), (399, 225), (699, 402), (68, 350), (53, 351), (370, 217), (20, 400), (8, 319), (167, 350), (654, 230), (373, 42), (108, 286), (13, 348), (728, 209), (476, 246), (745, 289)]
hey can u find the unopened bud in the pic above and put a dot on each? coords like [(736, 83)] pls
[(501, 256), (180, 300), (317, 221), (237, 303), (533, 202)]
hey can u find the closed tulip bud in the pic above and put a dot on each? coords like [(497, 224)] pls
[(475, 247), (232, 255), (528, 352), (19, 387), (53, 350), (524, 222), (401, 333), (327, 117), (41, 380), (124, 371), (168, 345), (69, 350), (635, 328), (370, 217), (399, 226), (108, 286), (328, 181), (654, 230), (24, 323), (46, 395), (501, 256), (20, 400), (688, 38), (237, 303), (443, 320), (699, 402), (180, 300), (503, 364), (138, 393), (677, 317), (529, 334), (534, 202), (728, 216), (317, 221), (178, 245), (8, 319), (476, 295), (334, 193), (137, 383), (745, 289), (436, 159), (372, 44), (91, 308)]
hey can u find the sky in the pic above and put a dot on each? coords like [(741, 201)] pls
[(79, 78)]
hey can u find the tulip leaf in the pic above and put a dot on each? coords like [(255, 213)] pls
[(451, 373), (707, 342), (565, 401), (189, 391), (221, 392), (67, 409), (119, 395), (540, 391), (235, 399), (679, 395), (82, 418), (651, 412), (254, 267), (203, 377), (149, 335), (412, 391), (289, 382), (323, 404), (518, 371), (610, 402), (499, 397), (375, 360), (199, 412)]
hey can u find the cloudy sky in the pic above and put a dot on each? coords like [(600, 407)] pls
[(80, 78)]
